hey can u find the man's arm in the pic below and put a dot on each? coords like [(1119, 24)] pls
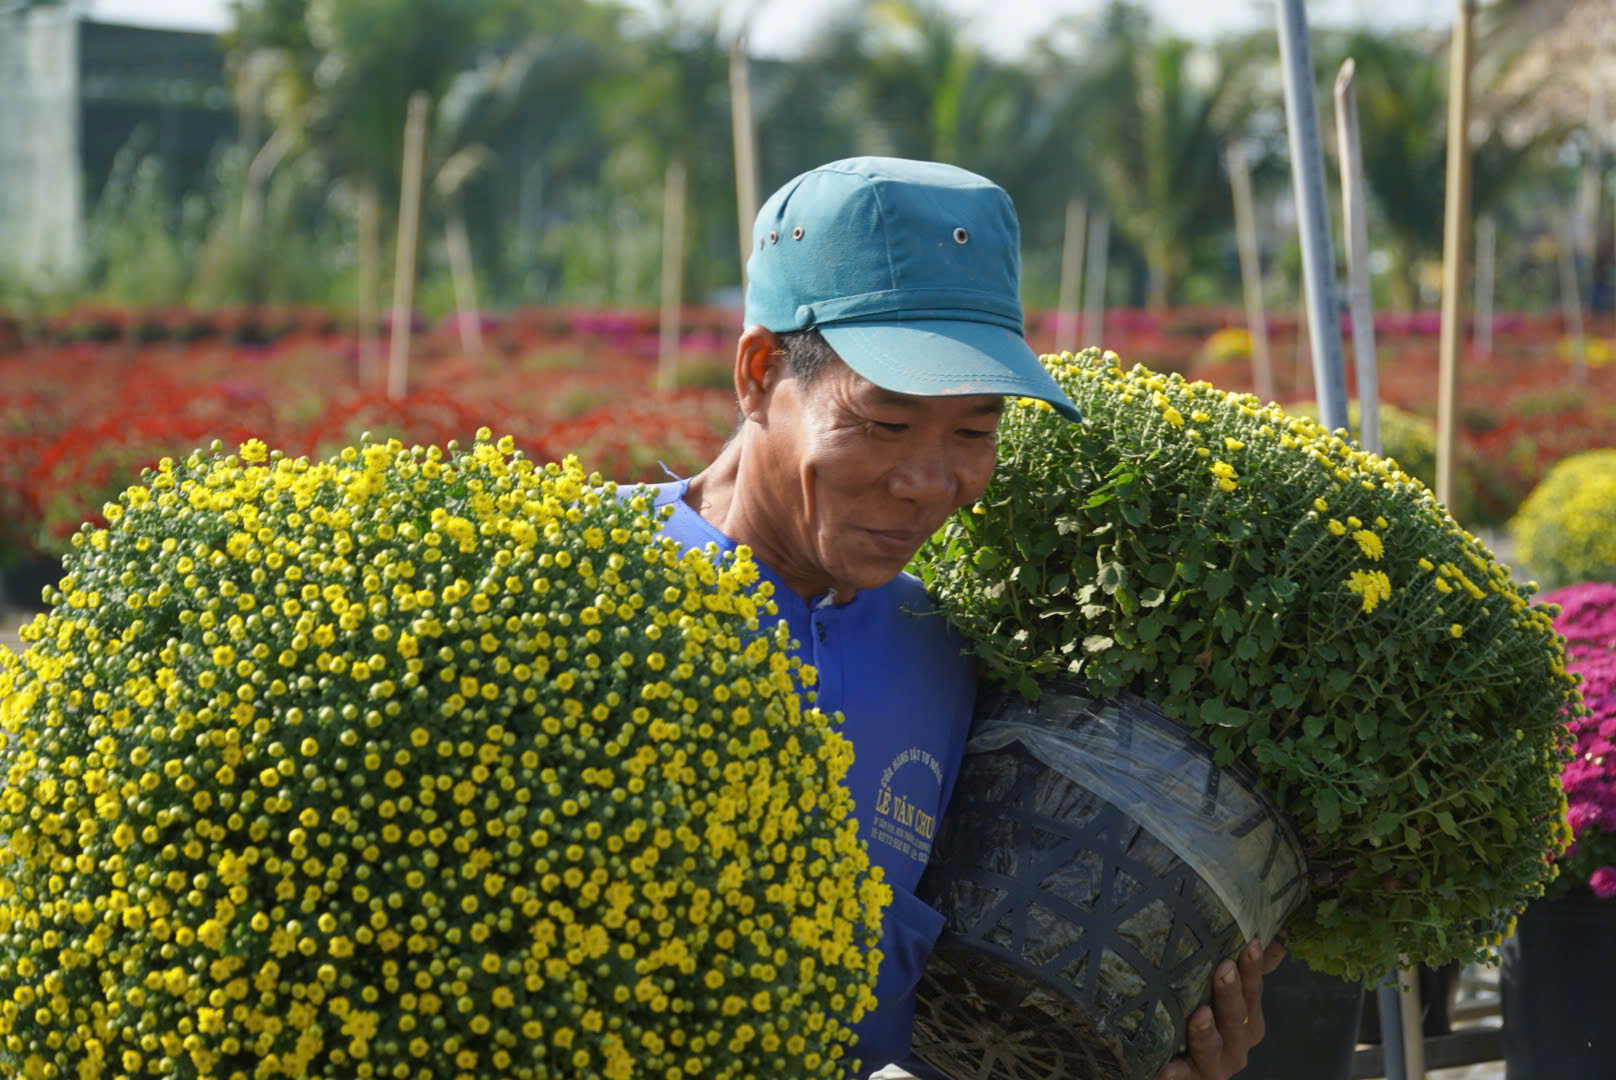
[(1220, 1037)]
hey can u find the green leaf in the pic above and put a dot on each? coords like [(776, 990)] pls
[(986, 558), (1150, 627), (1367, 723), (1098, 500), (1151, 598), (1313, 726), (1445, 820), (1097, 643), (1327, 805), (1219, 583), (1111, 577)]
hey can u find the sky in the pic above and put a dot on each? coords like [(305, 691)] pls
[(1003, 27)]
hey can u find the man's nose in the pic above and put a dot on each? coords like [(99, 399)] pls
[(922, 477)]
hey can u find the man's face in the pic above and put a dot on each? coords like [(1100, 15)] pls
[(865, 475)]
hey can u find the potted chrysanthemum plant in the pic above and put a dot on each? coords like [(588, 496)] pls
[(1267, 599), (1556, 987), (424, 764)]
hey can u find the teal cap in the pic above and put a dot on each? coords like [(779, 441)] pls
[(911, 270)]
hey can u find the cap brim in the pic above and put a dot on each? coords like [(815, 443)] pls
[(946, 358)]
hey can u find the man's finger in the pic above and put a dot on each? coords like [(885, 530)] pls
[(1273, 955), (1205, 1038), (1251, 984), (1205, 1047)]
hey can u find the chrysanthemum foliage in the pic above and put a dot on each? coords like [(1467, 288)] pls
[(1307, 609), (413, 764), (1566, 529)]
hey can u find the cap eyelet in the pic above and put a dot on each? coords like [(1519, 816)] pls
[(774, 238), (796, 234), (960, 235)]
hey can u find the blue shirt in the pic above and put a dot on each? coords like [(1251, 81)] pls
[(899, 676)]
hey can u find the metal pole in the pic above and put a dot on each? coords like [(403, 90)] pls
[(1455, 234), (1486, 271), (1093, 332), (673, 262), (1307, 177), (1388, 1001), (1067, 311), (1355, 224), (409, 226), (746, 188), (1245, 232)]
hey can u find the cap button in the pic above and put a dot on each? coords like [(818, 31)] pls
[(805, 316)]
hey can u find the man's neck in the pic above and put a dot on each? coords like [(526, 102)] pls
[(734, 499)]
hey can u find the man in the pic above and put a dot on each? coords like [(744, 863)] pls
[(883, 333)]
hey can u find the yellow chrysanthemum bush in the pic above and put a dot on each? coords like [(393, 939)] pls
[(418, 764), (1566, 529), (1310, 612)]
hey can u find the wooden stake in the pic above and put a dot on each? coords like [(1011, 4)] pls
[(1408, 983), (1093, 331), (746, 189), (464, 275), (1486, 272), (1355, 222), (409, 227), (1571, 302), (1245, 231), (370, 242), (1067, 311), (673, 262), (1455, 235)]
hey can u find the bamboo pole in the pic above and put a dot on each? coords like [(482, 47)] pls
[(1355, 224), (1067, 311), (409, 228), (464, 276), (1408, 982), (1486, 273), (673, 261), (745, 131), (1245, 231), (1571, 302), (1455, 234), (1093, 330), (370, 242)]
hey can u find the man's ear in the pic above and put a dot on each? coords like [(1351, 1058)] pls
[(759, 367)]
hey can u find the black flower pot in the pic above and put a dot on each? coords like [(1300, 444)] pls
[(1093, 869), (1558, 990), (1312, 1026), (21, 585)]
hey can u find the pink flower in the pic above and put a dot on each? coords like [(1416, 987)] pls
[(1603, 882)]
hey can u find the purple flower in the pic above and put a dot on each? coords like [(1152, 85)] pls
[(1603, 882)]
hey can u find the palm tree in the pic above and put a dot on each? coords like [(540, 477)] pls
[(1164, 110)]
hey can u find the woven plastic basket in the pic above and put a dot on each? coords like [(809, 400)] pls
[(1095, 865)]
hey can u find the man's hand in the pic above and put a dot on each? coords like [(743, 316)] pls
[(1220, 1037)]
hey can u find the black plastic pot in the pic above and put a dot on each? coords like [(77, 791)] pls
[(1312, 1026), (21, 585), (1558, 989), (1094, 866)]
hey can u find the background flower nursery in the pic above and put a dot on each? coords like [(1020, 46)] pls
[(311, 226)]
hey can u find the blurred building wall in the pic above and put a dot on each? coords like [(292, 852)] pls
[(41, 190)]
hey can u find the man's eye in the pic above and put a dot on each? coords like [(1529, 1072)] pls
[(895, 429), (973, 433)]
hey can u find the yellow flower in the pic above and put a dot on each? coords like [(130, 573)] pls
[(1456, 630), (1371, 586), (1369, 544), (1336, 527)]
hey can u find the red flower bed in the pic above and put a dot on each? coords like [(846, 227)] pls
[(89, 398)]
